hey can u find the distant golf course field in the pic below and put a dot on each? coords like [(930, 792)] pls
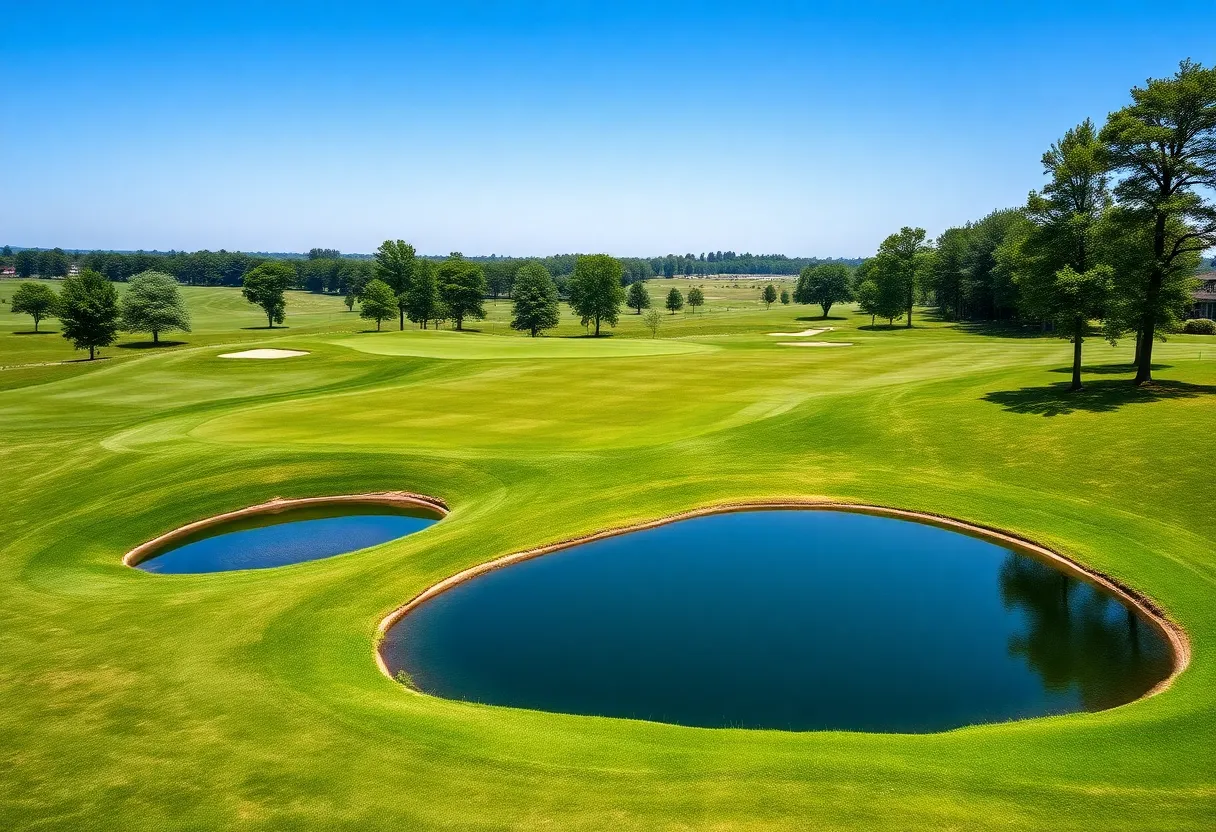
[(252, 699)]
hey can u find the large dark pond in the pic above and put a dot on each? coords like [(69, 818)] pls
[(799, 620), (289, 536)]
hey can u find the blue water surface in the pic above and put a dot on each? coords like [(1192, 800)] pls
[(289, 536), (798, 620)]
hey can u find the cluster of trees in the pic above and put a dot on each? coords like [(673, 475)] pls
[(1114, 237), (91, 314), (404, 285)]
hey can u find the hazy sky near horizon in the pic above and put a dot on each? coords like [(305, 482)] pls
[(535, 128)]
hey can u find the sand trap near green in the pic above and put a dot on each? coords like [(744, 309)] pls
[(448, 344), (814, 344), (264, 354)]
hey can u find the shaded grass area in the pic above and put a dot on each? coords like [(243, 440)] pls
[(251, 700), (1095, 396)]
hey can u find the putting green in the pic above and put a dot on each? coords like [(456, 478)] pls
[(448, 344), (252, 699)]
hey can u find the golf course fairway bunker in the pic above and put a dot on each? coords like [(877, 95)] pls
[(283, 532), (448, 344), (786, 619), (265, 354)]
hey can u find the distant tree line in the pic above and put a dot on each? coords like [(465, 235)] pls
[(327, 270)]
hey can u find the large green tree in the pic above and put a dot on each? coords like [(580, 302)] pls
[(395, 265), (378, 302), (422, 299), (1163, 145), (825, 284), (638, 297), (153, 303), (1057, 273), (903, 262), (596, 293), (266, 285), (868, 299), (675, 300), (696, 298), (88, 310), (889, 278), (534, 301), (36, 300), (462, 288)]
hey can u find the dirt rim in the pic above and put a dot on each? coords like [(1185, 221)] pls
[(1174, 635), (146, 551)]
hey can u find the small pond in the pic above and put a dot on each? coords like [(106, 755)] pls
[(291, 535), (797, 620)]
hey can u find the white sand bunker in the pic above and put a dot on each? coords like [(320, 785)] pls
[(804, 334), (264, 353), (814, 344)]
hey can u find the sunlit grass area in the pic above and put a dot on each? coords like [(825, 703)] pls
[(251, 699)]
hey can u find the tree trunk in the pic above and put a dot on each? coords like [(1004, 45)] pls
[(1078, 329), (35, 324), (401, 313), (911, 289), (597, 325), (1144, 363), (92, 352), (155, 337), (459, 321), (269, 321), (377, 324)]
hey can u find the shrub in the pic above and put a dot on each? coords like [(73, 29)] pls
[(1200, 326)]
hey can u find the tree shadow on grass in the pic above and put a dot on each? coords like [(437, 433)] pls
[(149, 345), (994, 329), (279, 326), (39, 332), (1095, 397), (821, 318), (1108, 369), (883, 327)]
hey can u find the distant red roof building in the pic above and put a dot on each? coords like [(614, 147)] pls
[(8, 271)]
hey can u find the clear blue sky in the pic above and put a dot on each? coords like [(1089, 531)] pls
[(631, 128)]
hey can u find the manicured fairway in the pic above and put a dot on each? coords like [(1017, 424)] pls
[(137, 701)]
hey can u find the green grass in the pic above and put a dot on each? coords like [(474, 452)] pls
[(251, 700)]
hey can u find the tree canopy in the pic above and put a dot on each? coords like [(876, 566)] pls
[(638, 297), (1163, 145), (902, 262), (422, 299), (596, 293), (675, 300), (153, 303), (394, 265), (696, 298), (266, 286), (88, 310), (826, 284), (534, 301), (462, 287), (36, 300), (378, 302)]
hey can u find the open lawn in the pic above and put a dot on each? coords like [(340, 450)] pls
[(252, 700)]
